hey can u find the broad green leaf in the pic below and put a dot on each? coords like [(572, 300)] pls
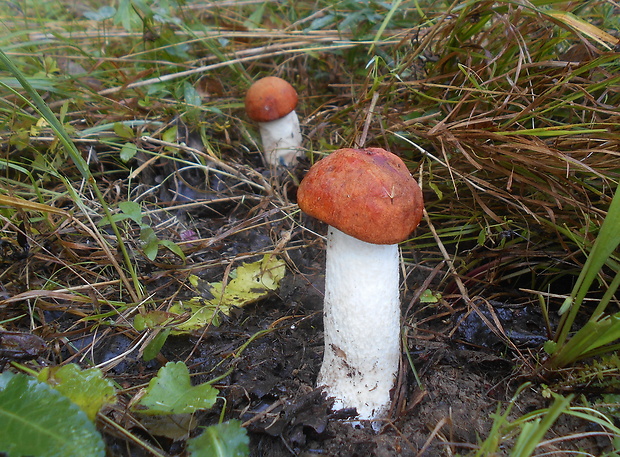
[(128, 151), (126, 16), (170, 135), (86, 388), (171, 392), (103, 13), (123, 130), (37, 420), (154, 320), (191, 95), (132, 210), (228, 439)]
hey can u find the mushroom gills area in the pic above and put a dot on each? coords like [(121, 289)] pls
[(281, 140), (362, 324)]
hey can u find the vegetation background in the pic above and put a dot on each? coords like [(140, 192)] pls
[(132, 190)]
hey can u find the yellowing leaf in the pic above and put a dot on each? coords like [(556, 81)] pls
[(17, 202), (199, 312), (251, 282), (247, 284), (86, 388), (36, 129), (592, 31)]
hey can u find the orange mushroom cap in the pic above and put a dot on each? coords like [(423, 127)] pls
[(368, 194), (270, 98)]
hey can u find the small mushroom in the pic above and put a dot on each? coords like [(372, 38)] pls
[(271, 102), (370, 202)]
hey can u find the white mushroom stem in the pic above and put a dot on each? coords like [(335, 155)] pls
[(281, 140), (362, 324)]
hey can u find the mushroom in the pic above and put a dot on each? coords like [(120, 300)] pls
[(271, 102), (370, 202)]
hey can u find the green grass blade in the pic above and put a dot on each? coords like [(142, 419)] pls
[(592, 336), (533, 432), (606, 242)]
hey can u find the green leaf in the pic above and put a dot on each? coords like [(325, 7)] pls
[(550, 347), (132, 210), (152, 319), (128, 151), (228, 439), (532, 432), (429, 297), (170, 135), (86, 388), (173, 247), (606, 242), (36, 101), (191, 95), (103, 13), (150, 243), (436, 189), (123, 130), (592, 336), (37, 420), (171, 392), (153, 348), (256, 18), (126, 16)]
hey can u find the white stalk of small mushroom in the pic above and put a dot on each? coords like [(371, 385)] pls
[(271, 102), (281, 140), (370, 202)]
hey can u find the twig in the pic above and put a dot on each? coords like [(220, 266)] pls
[(361, 141)]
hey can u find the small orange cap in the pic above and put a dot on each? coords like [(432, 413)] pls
[(270, 98), (368, 194)]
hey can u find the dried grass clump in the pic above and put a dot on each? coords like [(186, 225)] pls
[(522, 126), (514, 110)]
